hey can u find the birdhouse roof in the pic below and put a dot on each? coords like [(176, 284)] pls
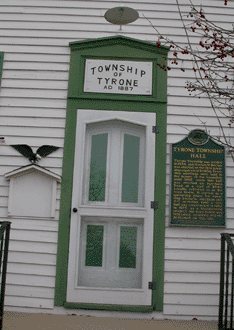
[(32, 168)]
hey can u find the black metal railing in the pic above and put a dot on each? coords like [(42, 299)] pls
[(226, 284), (4, 244)]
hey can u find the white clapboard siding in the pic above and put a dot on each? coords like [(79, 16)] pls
[(35, 38), (41, 225), (199, 300), (34, 247), (32, 258), (188, 288), (31, 270), (33, 122), (33, 236), (46, 113), (27, 291), (191, 310), (30, 301), (196, 266), (32, 280)]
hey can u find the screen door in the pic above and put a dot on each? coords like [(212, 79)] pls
[(111, 234)]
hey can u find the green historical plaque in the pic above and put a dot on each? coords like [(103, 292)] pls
[(198, 182)]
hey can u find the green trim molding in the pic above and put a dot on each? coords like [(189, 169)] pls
[(1, 65), (122, 49)]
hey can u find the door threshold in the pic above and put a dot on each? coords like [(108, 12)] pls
[(119, 308)]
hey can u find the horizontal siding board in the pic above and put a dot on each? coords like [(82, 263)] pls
[(33, 113), (3, 201), (191, 310), (186, 120), (172, 129), (38, 75), (187, 299), (38, 84), (27, 269), (29, 291), (31, 302), (36, 66), (194, 266), (45, 58), (5, 217), (31, 247), (35, 132), (192, 243), (33, 102), (33, 280), (34, 236), (35, 49), (33, 122), (184, 233), (53, 43), (187, 101), (187, 288), (41, 225), (190, 277), (32, 258), (4, 190), (43, 94), (198, 255)]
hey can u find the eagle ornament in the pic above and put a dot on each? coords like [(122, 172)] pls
[(27, 151)]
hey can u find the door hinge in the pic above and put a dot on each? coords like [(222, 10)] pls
[(152, 286), (155, 129), (154, 205)]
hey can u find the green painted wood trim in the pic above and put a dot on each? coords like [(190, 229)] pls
[(1, 65), (159, 107), (66, 194), (119, 39), (159, 214), (65, 206), (119, 48), (158, 86), (119, 308)]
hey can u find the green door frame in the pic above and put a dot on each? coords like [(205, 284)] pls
[(117, 48), (1, 65)]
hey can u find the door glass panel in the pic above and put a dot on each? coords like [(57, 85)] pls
[(127, 250), (94, 246), (97, 178), (130, 176)]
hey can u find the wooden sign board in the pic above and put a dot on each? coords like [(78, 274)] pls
[(119, 77), (198, 182)]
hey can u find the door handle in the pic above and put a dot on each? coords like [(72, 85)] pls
[(74, 209)]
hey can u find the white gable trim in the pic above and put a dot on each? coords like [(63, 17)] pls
[(30, 168)]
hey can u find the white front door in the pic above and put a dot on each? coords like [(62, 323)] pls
[(111, 232)]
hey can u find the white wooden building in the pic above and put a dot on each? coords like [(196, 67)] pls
[(34, 38)]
